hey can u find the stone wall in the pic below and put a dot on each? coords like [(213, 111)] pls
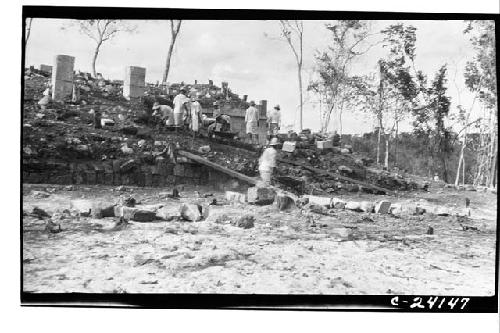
[(126, 173)]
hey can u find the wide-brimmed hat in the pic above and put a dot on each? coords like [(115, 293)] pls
[(277, 107), (274, 142), (252, 103)]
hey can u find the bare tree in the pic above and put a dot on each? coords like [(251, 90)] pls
[(101, 31), (175, 27), (28, 30), (293, 33)]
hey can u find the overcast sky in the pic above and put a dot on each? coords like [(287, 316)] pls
[(248, 55)]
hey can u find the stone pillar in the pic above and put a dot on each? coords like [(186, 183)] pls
[(62, 77), (263, 108), (134, 83)]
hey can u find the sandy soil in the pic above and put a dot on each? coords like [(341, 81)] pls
[(286, 252)]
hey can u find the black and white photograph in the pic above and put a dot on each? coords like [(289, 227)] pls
[(188, 158)]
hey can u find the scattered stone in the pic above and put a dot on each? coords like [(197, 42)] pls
[(382, 207), (289, 146), (245, 222), (129, 202), (100, 210), (52, 227), (191, 212), (39, 213), (344, 151), (235, 197), (469, 228), (365, 219), (320, 201), (284, 202), (338, 204), (342, 233), (40, 194), (430, 231), (204, 149), (164, 214), (143, 215), (441, 211), (261, 195), (301, 202), (353, 205), (366, 206), (345, 169), (324, 144), (319, 209)]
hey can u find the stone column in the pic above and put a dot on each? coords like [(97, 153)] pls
[(134, 83), (263, 108), (62, 77)]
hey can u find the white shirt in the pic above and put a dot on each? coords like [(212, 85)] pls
[(274, 117), (179, 101), (252, 115), (268, 159), (165, 110)]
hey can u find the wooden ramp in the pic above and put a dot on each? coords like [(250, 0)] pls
[(215, 166)]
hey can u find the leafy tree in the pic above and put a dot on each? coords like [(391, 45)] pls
[(175, 27), (397, 89), (480, 78), (430, 121), (335, 85), (101, 31)]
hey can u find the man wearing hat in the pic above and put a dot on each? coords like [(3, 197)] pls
[(274, 121), (180, 107), (165, 113), (267, 162), (251, 120)]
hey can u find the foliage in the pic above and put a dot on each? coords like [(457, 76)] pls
[(335, 85)]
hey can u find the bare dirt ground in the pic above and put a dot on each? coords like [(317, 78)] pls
[(286, 252)]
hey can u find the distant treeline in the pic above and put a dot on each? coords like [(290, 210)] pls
[(410, 153)]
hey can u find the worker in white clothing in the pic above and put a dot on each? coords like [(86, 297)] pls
[(195, 115), (252, 122), (267, 162), (274, 122), (180, 107), (164, 112)]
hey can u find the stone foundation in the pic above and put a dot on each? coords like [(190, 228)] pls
[(109, 173)]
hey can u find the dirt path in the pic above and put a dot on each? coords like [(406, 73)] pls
[(283, 253)]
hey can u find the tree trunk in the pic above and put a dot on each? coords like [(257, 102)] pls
[(396, 145), (378, 147), (493, 160), (300, 96), (28, 31), (174, 32), (167, 62), (94, 59), (386, 160), (461, 160)]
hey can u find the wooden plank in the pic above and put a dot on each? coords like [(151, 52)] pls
[(333, 174), (218, 167)]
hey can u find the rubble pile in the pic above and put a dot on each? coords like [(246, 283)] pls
[(62, 144)]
